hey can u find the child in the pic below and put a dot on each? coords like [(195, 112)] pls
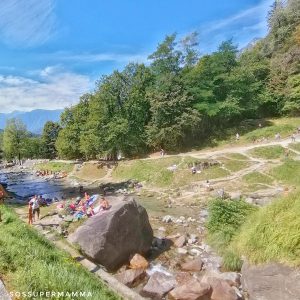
[(30, 214)]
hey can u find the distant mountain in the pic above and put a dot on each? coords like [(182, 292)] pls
[(34, 120)]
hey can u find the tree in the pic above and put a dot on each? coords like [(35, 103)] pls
[(33, 147), (118, 113), (72, 121), (173, 119), (49, 137), (14, 139)]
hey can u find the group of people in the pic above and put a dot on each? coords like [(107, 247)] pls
[(56, 175)]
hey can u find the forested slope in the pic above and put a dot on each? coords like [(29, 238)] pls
[(182, 99)]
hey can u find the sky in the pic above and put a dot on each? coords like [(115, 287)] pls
[(53, 51)]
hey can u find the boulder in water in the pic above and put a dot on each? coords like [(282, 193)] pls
[(111, 237)]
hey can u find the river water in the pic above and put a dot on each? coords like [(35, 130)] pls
[(25, 184)]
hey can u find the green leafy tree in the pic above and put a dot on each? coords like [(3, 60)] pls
[(14, 139), (49, 137), (173, 119)]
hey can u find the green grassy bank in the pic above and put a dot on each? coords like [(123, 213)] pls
[(262, 235), (30, 263), (55, 166)]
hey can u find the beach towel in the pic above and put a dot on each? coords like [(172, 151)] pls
[(92, 200)]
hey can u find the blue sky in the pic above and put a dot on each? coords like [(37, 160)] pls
[(52, 51)]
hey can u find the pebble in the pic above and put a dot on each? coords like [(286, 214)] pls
[(182, 251)]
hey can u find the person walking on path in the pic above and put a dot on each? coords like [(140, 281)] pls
[(35, 207), (30, 213), (293, 137)]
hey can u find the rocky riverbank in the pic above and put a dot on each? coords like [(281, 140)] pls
[(179, 263)]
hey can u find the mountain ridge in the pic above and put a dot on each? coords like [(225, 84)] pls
[(34, 120)]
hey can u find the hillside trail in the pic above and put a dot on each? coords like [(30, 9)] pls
[(258, 164), (205, 154)]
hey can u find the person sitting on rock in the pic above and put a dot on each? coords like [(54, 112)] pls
[(87, 196), (104, 204)]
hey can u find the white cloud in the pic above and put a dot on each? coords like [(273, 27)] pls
[(245, 25), (27, 22), (52, 90), (100, 57)]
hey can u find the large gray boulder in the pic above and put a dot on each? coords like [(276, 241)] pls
[(271, 281), (111, 237)]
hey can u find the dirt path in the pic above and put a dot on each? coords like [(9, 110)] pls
[(204, 154)]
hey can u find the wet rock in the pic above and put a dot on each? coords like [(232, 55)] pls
[(271, 281), (180, 242), (194, 265), (193, 290), (131, 277), (158, 285), (138, 262), (112, 237)]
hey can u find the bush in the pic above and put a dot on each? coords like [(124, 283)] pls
[(226, 216), (225, 220), (232, 261)]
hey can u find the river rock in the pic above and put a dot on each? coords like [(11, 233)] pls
[(158, 285), (221, 290), (138, 262), (271, 281), (194, 265), (111, 237), (168, 219), (131, 277), (193, 290), (235, 196), (183, 277), (180, 242), (182, 251)]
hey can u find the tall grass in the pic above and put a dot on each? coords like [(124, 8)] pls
[(30, 263), (272, 233)]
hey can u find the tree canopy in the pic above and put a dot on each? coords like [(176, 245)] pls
[(181, 98)]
